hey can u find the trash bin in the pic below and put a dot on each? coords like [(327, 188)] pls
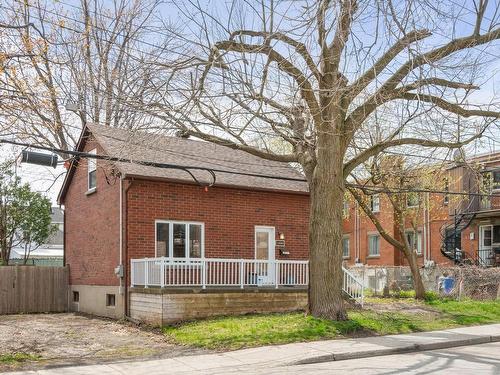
[(448, 284)]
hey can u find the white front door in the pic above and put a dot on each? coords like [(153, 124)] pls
[(485, 244), (264, 251)]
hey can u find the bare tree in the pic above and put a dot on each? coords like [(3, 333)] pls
[(317, 74), (73, 64)]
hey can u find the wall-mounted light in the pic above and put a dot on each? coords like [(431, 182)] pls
[(282, 236)]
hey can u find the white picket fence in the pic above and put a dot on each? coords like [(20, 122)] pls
[(211, 272)]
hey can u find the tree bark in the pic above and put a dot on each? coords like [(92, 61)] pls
[(418, 284), (325, 232)]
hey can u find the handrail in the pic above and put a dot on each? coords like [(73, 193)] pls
[(353, 287)]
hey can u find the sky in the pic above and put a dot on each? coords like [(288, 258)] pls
[(44, 179)]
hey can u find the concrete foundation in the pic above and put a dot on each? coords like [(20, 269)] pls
[(94, 299)]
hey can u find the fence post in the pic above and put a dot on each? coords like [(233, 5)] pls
[(242, 275), (362, 293), (162, 272), (276, 273), (203, 274), (146, 281)]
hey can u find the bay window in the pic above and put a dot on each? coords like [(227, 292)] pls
[(179, 239)]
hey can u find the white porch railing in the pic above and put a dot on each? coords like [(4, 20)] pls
[(211, 272), (166, 272), (353, 287)]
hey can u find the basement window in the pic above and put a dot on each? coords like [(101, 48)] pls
[(110, 300), (76, 296)]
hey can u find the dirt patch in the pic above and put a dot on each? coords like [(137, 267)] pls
[(63, 339), (405, 306)]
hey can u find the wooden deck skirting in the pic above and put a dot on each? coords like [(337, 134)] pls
[(160, 306)]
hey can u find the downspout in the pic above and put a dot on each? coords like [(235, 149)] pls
[(123, 242), (356, 233), (429, 234), (424, 240)]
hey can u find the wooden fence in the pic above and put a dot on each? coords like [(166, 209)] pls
[(31, 289)]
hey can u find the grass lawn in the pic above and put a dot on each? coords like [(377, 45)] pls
[(382, 317), (13, 358)]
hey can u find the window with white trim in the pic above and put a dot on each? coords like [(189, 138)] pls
[(375, 203), (345, 209), (179, 239), (345, 246), (92, 171), (373, 245), (412, 200), (415, 242)]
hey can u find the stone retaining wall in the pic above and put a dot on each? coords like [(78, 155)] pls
[(164, 306)]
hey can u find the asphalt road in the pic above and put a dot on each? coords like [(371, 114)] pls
[(475, 359)]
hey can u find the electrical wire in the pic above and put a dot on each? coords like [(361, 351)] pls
[(212, 171)]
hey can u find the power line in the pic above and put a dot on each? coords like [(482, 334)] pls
[(212, 171)]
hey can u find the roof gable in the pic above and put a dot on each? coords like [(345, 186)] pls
[(147, 147)]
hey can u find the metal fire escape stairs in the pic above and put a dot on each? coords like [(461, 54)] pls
[(452, 234)]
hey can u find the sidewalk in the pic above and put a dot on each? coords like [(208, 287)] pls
[(291, 354)]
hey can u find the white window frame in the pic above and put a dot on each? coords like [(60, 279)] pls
[(446, 198), (416, 235), (348, 238), (91, 167), (372, 201), (345, 209), (415, 205), (370, 255), (171, 238)]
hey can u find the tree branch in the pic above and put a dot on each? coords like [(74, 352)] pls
[(448, 106), (363, 81), (379, 147), (300, 48), (305, 87)]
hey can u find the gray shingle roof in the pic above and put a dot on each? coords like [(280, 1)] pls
[(186, 152)]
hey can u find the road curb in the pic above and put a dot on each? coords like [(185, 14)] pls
[(398, 350)]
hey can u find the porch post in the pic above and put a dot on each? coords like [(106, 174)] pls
[(203, 274), (146, 278), (276, 273), (242, 276), (162, 273)]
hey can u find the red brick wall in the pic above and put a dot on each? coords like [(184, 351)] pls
[(388, 254), (92, 225), (229, 216), (366, 227)]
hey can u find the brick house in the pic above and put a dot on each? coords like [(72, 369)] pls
[(451, 229), (118, 213)]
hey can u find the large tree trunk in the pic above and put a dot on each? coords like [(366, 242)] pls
[(325, 233), (418, 284)]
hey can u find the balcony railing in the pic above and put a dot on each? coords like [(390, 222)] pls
[(211, 272)]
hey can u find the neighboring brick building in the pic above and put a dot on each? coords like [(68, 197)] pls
[(232, 219), (451, 228)]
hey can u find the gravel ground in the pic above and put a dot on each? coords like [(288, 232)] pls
[(62, 339)]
